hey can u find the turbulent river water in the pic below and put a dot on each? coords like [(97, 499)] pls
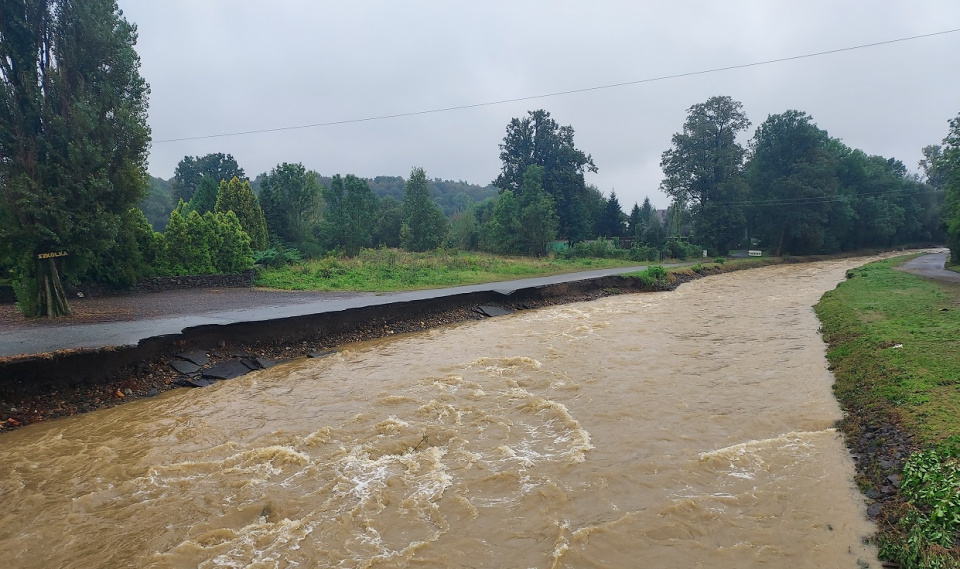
[(691, 428)]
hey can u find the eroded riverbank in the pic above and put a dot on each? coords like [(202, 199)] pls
[(684, 428)]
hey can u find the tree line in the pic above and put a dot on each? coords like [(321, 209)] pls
[(76, 201), (793, 188)]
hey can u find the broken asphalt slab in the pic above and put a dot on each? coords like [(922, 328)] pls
[(28, 340), (491, 311)]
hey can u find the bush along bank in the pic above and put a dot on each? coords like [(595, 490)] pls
[(893, 344)]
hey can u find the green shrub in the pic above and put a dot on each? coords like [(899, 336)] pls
[(25, 289), (655, 276), (719, 260), (643, 253), (682, 250), (931, 520), (276, 256), (602, 249)]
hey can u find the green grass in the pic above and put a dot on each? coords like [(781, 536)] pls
[(385, 270), (894, 344)]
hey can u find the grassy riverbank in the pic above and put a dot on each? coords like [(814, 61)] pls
[(389, 270), (893, 343), (386, 270)]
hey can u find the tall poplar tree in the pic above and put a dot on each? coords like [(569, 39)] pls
[(424, 226), (73, 139)]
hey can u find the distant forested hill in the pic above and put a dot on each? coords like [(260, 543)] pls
[(452, 196)]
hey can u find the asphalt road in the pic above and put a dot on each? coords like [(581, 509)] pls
[(931, 266), (53, 336)]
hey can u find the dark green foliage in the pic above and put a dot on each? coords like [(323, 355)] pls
[(643, 253), (538, 140), (277, 257), (682, 250), (593, 208), (386, 229), (634, 224), (792, 175), (538, 217), (73, 134), (205, 197), (703, 169), (134, 254), (236, 196), (464, 232), (502, 234), (600, 249), (948, 165), (290, 198), (158, 204), (613, 223), (424, 227), (191, 170), (452, 196), (654, 234), (350, 214)]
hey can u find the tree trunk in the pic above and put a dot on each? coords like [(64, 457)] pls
[(780, 243), (51, 298)]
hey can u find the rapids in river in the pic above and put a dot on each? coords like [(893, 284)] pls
[(691, 428)]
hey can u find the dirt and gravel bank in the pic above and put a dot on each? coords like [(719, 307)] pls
[(25, 401)]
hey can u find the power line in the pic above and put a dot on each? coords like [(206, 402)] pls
[(561, 93), (817, 200)]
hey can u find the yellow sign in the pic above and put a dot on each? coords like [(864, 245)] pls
[(52, 255)]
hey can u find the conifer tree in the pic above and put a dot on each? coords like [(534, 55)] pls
[(238, 197), (205, 198), (424, 227)]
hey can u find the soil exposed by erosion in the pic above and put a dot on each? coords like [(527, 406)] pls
[(23, 402)]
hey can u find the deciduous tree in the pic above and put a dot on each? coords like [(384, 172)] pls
[(703, 170), (949, 163), (350, 214), (792, 173), (191, 170), (424, 226), (290, 199), (538, 140)]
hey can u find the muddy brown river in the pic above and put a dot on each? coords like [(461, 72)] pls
[(692, 428)]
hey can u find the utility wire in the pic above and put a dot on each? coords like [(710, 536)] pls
[(561, 93), (813, 200)]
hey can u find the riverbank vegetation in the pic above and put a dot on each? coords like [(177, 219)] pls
[(893, 344), (383, 270)]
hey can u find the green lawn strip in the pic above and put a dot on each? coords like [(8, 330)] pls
[(894, 347), (390, 270)]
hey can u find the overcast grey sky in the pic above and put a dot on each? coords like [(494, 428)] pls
[(221, 66)]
